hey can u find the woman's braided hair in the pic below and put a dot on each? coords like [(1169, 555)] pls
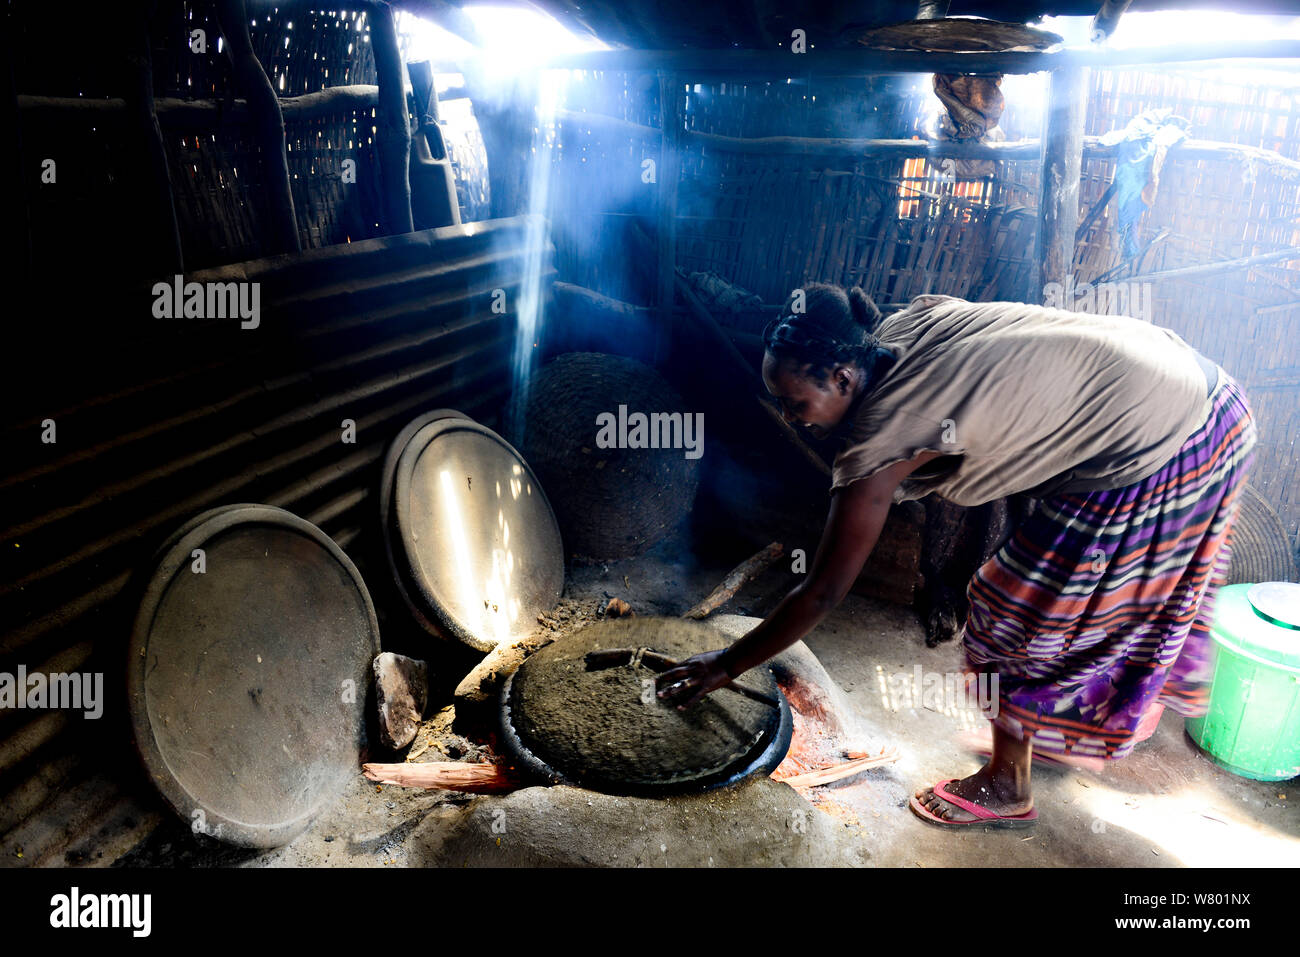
[(834, 329)]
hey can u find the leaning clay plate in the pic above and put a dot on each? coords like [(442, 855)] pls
[(247, 678), (387, 518), (479, 543)]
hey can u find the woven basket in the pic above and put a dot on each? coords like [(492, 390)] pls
[(1260, 549), (610, 502)]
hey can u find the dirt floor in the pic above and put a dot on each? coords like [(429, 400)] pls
[(1165, 806)]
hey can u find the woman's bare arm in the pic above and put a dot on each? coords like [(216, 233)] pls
[(857, 515)]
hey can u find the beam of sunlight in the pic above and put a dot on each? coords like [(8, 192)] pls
[(1160, 28), (550, 95), (1200, 829), (469, 598), (901, 690)]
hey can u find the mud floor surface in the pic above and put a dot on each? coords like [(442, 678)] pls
[(1164, 806)]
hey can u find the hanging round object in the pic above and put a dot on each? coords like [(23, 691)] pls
[(959, 35), (621, 487), (582, 712), (477, 546), (247, 673)]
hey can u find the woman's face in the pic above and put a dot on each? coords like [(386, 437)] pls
[(816, 406)]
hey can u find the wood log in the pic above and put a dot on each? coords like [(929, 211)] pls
[(1211, 269), (710, 326), (1107, 19), (1058, 206), (736, 579), (178, 113), (476, 778), (160, 224), (838, 772), (393, 136), (1008, 151), (264, 105)]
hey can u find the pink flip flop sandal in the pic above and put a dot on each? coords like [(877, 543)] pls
[(984, 817)]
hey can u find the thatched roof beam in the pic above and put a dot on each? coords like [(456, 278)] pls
[(1015, 150), (758, 65)]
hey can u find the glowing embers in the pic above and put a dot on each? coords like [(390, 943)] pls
[(473, 542)]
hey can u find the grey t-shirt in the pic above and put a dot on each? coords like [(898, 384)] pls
[(1025, 398)]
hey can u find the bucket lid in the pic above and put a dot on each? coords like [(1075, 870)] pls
[(1261, 619), (247, 673), (478, 541)]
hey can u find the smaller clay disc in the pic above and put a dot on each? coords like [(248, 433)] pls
[(478, 542)]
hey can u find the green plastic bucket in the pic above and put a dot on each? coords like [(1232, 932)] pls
[(1252, 727)]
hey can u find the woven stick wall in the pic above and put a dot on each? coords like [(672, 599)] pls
[(1218, 210), (215, 173), (770, 221)]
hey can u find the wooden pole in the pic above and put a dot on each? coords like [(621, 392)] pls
[(736, 579), (161, 230), (264, 105), (1211, 269), (1107, 19), (177, 113), (666, 176), (1008, 151), (393, 138), (703, 64), (1058, 205)]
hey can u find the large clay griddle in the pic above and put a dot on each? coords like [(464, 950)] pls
[(477, 541), (606, 729), (247, 682)]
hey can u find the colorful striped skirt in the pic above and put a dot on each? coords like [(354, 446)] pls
[(1098, 607)]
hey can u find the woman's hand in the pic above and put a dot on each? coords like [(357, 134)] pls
[(693, 679)]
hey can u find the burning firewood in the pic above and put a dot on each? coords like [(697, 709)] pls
[(837, 772), (479, 778)]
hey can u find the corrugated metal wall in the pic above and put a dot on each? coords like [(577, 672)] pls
[(163, 418)]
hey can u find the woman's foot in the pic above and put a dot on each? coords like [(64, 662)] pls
[(999, 794)]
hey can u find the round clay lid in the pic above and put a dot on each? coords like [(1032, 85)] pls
[(606, 729), (478, 542), (959, 35), (388, 518), (247, 673)]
